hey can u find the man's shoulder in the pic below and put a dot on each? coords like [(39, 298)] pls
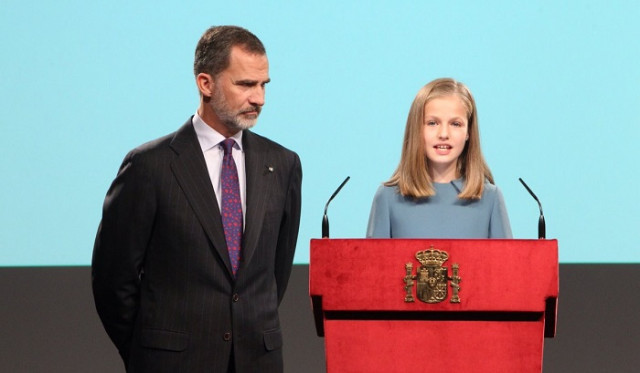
[(151, 150), (254, 141), (155, 144), (163, 144)]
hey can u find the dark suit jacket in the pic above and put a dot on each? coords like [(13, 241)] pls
[(162, 279)]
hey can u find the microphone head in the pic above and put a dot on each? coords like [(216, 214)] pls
[(325, 226), (542, 228)]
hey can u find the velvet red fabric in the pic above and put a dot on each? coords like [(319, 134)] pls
[(507, 293)]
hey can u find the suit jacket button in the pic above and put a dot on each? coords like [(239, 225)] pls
[(235, 298), (226, 336)]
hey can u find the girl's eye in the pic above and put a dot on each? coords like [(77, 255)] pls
[(431, 123)]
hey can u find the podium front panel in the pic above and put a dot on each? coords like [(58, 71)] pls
[(400, 305)]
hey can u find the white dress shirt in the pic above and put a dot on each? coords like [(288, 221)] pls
[(210, 142)]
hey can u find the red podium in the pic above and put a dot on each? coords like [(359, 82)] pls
[(434, 305)]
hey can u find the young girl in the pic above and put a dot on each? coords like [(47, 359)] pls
[(442, 187)]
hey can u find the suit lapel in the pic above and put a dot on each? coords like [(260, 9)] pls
[(190, 170), (257, 181)]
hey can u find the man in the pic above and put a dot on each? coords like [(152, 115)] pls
[(180, 286)]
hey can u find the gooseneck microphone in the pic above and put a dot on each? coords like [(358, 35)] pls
[(541, 223), (325, 218)]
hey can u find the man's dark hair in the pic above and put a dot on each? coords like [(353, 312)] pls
[(214, 48)]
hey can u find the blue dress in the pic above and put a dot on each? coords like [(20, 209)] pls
[(443, 215)]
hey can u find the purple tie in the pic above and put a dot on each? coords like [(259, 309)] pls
[(231, 208)]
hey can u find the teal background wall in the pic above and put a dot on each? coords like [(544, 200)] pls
[(556, 87)]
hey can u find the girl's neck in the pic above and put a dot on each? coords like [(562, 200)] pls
[(444, 175)]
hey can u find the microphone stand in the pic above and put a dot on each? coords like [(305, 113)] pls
[(325, 218), (541, 223)]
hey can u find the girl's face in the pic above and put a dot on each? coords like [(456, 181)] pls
[(445, 132)]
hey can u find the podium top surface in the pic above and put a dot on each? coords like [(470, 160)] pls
[(494, 275)]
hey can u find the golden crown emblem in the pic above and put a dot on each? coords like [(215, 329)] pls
[(431, 279), (432, 257)]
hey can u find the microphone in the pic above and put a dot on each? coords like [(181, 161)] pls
[(541, 223), (325, 218)]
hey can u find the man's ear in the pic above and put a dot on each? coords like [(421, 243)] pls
[(205, 84)]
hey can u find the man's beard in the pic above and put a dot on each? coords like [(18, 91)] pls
[(234, 121)]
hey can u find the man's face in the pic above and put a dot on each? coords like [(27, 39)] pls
[(238, 92)]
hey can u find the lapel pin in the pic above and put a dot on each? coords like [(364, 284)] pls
[(270, 168)]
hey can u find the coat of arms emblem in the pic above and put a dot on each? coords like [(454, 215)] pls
[(432, 278)]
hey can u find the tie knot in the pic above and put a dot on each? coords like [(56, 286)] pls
[(227, 145)]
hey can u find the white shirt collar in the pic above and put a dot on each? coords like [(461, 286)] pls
[(210, 138)]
